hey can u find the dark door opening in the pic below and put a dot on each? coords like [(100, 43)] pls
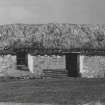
[(72, 64), (22, 61)]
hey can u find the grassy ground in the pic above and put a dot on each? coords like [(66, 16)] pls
[(60, 91)]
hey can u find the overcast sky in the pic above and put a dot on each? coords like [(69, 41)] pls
[(46, 11)]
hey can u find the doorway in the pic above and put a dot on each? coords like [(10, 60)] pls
[(72, 64), (22, 61)]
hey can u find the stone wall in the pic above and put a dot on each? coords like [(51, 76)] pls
[(47, 62), (7, 62), (92, 66)]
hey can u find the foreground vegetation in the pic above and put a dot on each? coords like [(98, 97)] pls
[(50, 91)]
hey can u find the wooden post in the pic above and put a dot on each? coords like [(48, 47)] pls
[(72, 64)]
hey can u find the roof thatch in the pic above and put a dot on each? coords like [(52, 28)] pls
[(52, 37)]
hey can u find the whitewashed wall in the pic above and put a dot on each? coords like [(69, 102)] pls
[(7, 62), (30, 63), (92, 66), (38, 63)]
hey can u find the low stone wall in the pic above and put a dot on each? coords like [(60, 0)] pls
[(92, 66), (7, 62)]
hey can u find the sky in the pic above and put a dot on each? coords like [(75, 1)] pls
[(48, 11)]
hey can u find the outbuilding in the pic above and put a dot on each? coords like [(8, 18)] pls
[(44, 49)]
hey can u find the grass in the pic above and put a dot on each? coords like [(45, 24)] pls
[(70, 91)]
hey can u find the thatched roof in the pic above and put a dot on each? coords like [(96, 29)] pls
[(48, 38)]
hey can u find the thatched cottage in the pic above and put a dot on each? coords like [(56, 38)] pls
[(79, 50)]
